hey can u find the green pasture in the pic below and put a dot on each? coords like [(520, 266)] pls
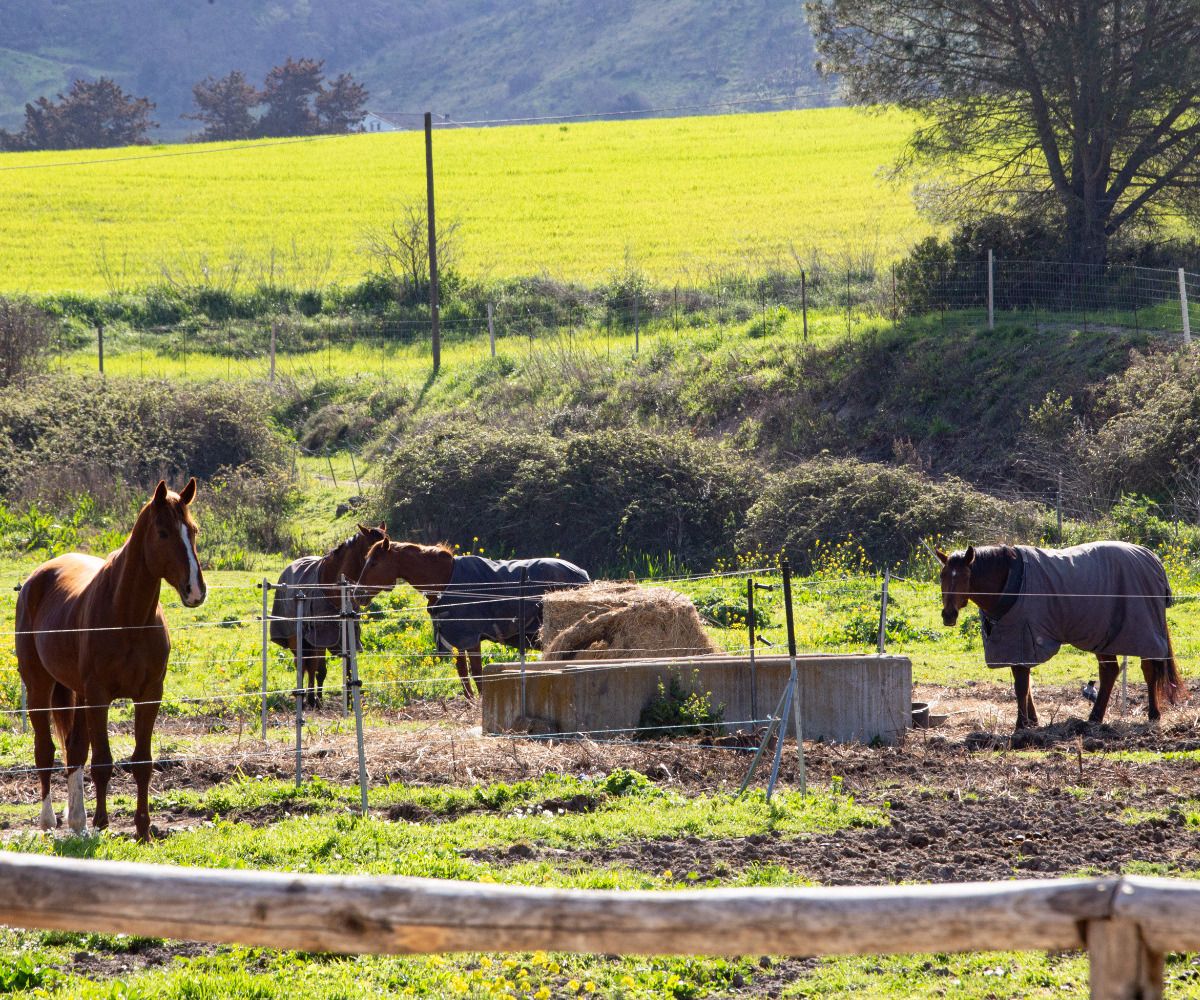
[(685, 197), (216, 659)]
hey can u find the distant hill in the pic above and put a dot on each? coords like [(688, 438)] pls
[(462, 58)]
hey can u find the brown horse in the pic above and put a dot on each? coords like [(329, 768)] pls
[(471, 598), (315, 579), (92, 630), (1107, 598)]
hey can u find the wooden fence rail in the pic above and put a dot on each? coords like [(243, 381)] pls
[(1126, 924)]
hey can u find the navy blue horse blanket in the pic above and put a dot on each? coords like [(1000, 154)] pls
[(483, 600), (1103, 597)]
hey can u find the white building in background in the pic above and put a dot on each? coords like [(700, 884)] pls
[(384, 121)]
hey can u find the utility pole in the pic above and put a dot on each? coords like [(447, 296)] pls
[(433, 271)]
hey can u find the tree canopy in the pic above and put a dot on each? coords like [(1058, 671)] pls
[(88, 116), (1085, 111)]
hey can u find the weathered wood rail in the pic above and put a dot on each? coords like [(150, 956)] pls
[(1126, 924)]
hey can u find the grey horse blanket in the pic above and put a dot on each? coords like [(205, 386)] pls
[(482, 599), (322, 608), (1103, 597)]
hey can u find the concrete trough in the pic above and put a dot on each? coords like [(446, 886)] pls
[(844, 698)]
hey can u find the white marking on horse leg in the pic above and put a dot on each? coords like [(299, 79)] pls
[(76, 810), (193, 588), (47, 820)]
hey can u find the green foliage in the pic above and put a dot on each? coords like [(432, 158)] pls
[(22, 973), (887, 509), (591, 497), (674, 712)]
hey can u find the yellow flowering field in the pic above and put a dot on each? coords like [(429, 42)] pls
[(680, 196)]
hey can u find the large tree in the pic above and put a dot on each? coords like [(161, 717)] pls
[(1080, 109), (224, 106), (88, 116)]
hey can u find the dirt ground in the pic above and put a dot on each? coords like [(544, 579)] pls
[(968, 800)]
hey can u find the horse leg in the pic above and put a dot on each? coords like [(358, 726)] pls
[(39, 684), (314, 676), (1026, 713), (142, 764), (72, 736), (464, 675), (1154, 671), (475, 660), (77, 752), (102, 762), (322, 673), (1109, 672)]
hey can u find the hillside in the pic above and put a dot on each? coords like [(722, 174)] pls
[(741, 193), (496, 58)]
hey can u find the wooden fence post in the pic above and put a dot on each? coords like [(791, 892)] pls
[(1120, 966)]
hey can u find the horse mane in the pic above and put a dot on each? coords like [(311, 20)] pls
[(992, 559), (429, 550)]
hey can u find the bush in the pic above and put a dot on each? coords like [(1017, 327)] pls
[(25, 335), (887, 510), (675, 712), (64, 436), (601, 499)]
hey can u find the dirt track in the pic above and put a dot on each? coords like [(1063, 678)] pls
[(967, 801)]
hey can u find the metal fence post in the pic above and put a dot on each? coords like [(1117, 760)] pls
[(266, 638), (299, 605), (991, 302), (24, 707), (344, 593), (753, 665), (349, 619), (521, 638), (804, 301), (883, 601), (491, 330), (1183, 306)]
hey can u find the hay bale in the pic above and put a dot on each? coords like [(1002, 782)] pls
[(609, 621)]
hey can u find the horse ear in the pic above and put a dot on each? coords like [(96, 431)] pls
[(970, 554), (383, 526), (363, 528), (188, 493), (941, 556), (160, 492)]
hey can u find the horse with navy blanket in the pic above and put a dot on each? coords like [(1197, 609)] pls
[(1107, 598), (471, 598), (315, 580)]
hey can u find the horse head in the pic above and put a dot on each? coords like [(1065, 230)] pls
[(354, 551), (165, 534), (426, 567), (956, 582)]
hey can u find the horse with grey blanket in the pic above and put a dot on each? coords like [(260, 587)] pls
[(1107, 598), (471, 598), (308, 605)]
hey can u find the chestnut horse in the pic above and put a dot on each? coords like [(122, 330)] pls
[(92, 630), (1107, 598), (470, 598), (315, 579)]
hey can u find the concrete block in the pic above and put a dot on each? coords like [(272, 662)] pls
[(843, 698)]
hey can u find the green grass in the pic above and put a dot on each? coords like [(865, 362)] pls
[(686, 197)]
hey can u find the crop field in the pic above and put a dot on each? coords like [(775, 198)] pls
[(685, 198)]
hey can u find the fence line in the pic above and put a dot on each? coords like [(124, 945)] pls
[(1043, 293), (1126, 924)]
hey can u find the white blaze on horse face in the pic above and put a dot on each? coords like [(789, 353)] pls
[(76, 810), (47, 819), (194, 595)]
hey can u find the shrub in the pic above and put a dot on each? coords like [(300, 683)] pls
[(674, 711), (599, 499), (25, 335), (64, 436), (887, 510)]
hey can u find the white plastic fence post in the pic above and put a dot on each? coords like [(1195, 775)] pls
[(991, 297), (1183, 306)]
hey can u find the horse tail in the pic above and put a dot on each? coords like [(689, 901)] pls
[(1167, 678)]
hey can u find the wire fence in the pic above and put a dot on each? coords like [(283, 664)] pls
[(812, 301)]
